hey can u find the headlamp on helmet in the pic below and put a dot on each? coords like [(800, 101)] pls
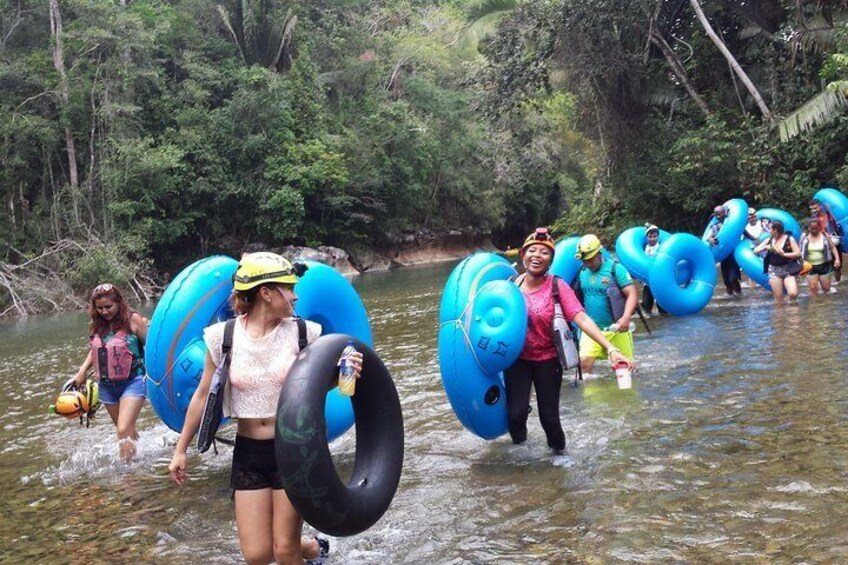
[(539, 237), (261, 268)]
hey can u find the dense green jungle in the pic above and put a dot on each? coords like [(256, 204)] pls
[(137, 135)]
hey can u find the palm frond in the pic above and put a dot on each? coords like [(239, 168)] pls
[(249, 27), (225, 16), (479, 9), (816, 35), (485, 27), (279, 63), (823, 108)]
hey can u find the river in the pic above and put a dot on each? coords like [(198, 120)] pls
[(732, 447)]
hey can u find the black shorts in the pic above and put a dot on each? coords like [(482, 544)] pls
[(823, 269), (254, 465)]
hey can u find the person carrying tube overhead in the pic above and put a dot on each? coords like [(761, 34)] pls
[(610, 298), (264, 340), (652, 244), (731, 274), (542, 359)]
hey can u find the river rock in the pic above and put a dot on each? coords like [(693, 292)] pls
[(332, 256)]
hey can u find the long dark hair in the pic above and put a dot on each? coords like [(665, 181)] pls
[(121, 321)]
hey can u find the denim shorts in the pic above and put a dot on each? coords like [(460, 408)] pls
[(111, 392), (783, 271)]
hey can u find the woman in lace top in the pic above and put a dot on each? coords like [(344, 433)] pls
[(265, 345)]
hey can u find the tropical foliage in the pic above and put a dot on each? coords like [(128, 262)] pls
[(168, 129)]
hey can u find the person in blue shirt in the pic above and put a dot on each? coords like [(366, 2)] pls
[(609, 297)]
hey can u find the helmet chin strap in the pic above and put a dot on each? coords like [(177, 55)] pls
[(283, 294)]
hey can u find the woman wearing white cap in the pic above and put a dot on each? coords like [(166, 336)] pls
[(652, 245)]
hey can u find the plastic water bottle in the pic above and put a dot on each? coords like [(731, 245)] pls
[(347, 381), (614, 327)]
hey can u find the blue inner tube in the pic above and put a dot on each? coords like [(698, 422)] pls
[(695, 293), (751, 264), (837, 203), (325, 296), (730, 232), (630, 249), (565, 265), (199, 296), (303, 456), (174, 353), (790, 224), (482, 322)]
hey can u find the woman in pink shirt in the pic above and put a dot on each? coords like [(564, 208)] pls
[(538, 364)]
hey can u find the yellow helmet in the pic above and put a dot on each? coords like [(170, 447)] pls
[(92, 395), (71, 404), (264, 267), (588, 247)]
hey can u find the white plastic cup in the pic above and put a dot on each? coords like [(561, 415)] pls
[(622, 375)]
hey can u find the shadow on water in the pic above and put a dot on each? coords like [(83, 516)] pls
[(730, 448)]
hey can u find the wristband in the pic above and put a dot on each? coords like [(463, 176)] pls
[(612, 350)]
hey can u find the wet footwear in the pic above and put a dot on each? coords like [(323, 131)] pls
[(563, 461), (323, 551), (323, 547)]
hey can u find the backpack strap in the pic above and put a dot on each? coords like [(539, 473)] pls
[(226, 347), (638, 309), (578, 374), (227, 344), (576, 287), (301, 333)]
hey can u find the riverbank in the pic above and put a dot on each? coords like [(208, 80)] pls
[(46, 283), (412, 253)]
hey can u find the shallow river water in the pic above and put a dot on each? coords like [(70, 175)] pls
[(732, 447)]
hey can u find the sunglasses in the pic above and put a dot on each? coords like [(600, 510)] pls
[(106, 287)]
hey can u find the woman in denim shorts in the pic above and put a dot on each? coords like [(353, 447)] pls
[(782, 261), (117, 336)]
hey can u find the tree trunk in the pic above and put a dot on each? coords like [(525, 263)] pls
[(59, 64), (678, 70), (734, 64)]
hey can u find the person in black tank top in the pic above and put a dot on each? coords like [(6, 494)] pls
[(782, 261)]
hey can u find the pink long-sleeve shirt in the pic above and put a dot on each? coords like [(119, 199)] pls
[(539, 342)]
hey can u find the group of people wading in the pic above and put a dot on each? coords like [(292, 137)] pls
[(605, 322), (817, 254), (265, 344)]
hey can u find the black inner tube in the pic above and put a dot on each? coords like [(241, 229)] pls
[(303, 455)]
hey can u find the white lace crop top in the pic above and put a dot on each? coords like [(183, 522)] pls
[(258, 366)]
